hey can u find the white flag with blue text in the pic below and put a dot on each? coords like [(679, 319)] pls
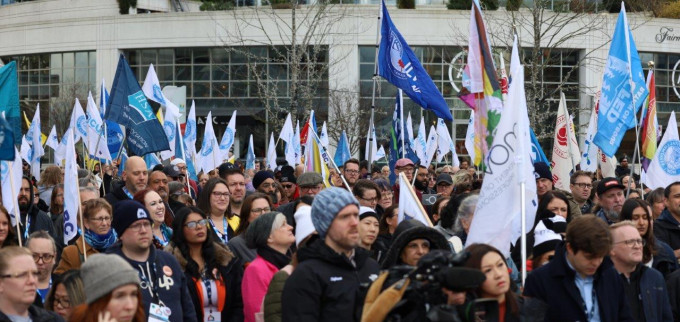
[(209, 158), (52, 139), (97, 144), (665, 167), (71, 190)]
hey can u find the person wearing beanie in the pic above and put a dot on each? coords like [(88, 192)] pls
[(271, 235), (545, 242), (411, 241), (264, 182), (288, 181), (182, 167), (162, 282), (368, 226), (107, 277), (544, 179), (332, 267)]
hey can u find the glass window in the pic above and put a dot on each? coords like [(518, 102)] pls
[(69, 61), (81, 59)]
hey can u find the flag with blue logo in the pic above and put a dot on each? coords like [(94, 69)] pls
[(114, 134), (619, 103), (398, 149), (52, 139), (33, 136), (97, 146), (250, 156), (190, 134), (227, 138), (9, 98), (123, 160), (399, 65), (342, 152), (209, 158), (182, 152), (6, 140), (537, 154), (130, 108)]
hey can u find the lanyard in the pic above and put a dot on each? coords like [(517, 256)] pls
[(28, 226), (153, 286), (590, 313), (222, 236), (128, 193)]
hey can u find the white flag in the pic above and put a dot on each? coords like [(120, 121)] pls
[(380, 154), (431, 146), (324, 136), (11, 174), (297, 145), (60, 153), (152, 90), (209, 157), (444, 142), (26, 151), (665, 167), (52, 139), (36, 145), (170, 128), (78, 123), (470, 137), (97, 143), (271, 153), (371, 145), (190, 133), (228, 138), (71, 191), (589, 156), (499, 200), (287, 134), (250, 154), (607, 164), (409, 129), (565, 153), (420, 144), (409, 205)]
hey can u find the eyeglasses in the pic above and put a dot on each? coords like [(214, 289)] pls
[(352, 171), (45, 257), (288, 186), (138, 226), (220, 194), (311, 188), (63, 302), (260, 210), (196, 224), (101, 220), (21, 276), (584, 185), (369, 199), (181, 168), (633, 242), (407, 170)]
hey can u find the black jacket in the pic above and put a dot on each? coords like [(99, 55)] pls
[(37, 315), (38, 220), (664, 261), (554, 284), (172, 285), (116, 194), (288, 210), (667, 229), (652, 294), (325, 286), (232, 273)]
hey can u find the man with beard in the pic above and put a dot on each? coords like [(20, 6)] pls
[(421, 181), (32, 219), (350, 170), (158, 182), (236, 183), (610, 194), (134, 179), (264, 182)]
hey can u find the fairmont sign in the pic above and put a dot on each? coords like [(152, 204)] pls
[(666, 33)]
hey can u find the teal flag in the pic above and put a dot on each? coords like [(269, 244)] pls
[(9, 98)]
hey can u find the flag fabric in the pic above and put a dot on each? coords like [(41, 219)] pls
[(250, 155), (11, 174), (182, 152), (371, 145), (271, 153), (470, 136), (665, 166), (7, 148), (431, 147), (78, 123), (305, 129), (342, 152), (36, 144), (9, 98), (399, 149), (483, 84), (316, 159), (169, 126), (619, 103), (537, 154), (323, 137), (420, 143), (649, 123), (52, 139), (590, 151), (97, 146), (287, 136), (151, 160), (25, 150), (565, 154), (399, 65), (60, 152), (43, 138), (297, 144), (445, 144), (71, 190), (130, 108), (209, 155), (409, 129), (189, 136), (114, 134), (228, 138), (607, 165), (123, 160), (501, 186), (380, 154), (409, 205)]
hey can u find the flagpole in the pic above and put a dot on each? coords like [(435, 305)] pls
[(523, 238), (375, 81), (335, 166), (401, 122), (650, 64), (631, 83), (181, 149)]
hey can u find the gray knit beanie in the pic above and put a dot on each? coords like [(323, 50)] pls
[(103, 273), (259, 230), (327, 204)]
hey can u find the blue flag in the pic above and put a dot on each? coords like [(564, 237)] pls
[(123, 159), (619, 102), (151, 160), (399, 65), (187, 155), (537, 154), (129, 107), (9, 98), (114, 134), (342, 153), (7, 148), (396, 148)]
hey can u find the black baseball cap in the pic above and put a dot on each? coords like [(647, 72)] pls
[(607, 184)]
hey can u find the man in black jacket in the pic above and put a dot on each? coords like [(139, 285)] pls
[(135, 177), (331, 281), (32, 219), (667, 227)]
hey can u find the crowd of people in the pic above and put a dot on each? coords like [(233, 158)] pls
[(278, 245)]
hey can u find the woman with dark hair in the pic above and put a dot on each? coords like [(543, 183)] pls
[(656, 200), (57, 211), (386, 195), (49, 178), (8, 236), (491, 262), (655, 252), (253, 206), (214, 202), (66, 293), (215, 271), (386, 227), (437, 208), (160, 215)]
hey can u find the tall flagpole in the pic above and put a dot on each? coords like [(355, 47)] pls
[(181, 149), (401, 122), (335, 166), (375, 81), (631, 83)]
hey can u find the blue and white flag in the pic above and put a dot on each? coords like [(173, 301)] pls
[(9, 98), (209, 155), (297, 145), (170, 127), (71, 190), (123, 160), (420, 144), (271, 153), (665, 166), (96, 137), (152, 90), (323, 138), (590, 150), (130, 108), (250, 155), (60, 152), (114, 134), (190, 133), (371, 150), (287, 135), (182, 152), (537, 154), (380, 154), (52, 139), (7, 148), (25, 150), (409, 205), (78, 123), (36, 144), (398, 149), (11, 173), (227, 138), (470, 137), (342, 152), (619, 103), (445, 143), (151, 160), (399, 65)]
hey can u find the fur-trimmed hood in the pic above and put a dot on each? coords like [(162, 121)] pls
[(222, 253)]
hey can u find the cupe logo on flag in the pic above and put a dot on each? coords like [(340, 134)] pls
[(138, 102), (228, 139), (190, 130), (207, 148), (169, 130), (669, 157), (401, 66)]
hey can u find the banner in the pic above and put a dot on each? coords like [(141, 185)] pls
[(11, 174), (565, 154), (409, 205), (590, 151), (71, 190), (271, 153), (250, 155), (287, 135), (9, 98), (7, 148), (114, 134), (342, 152), (209, 154), (665, 166), (96, 137), (228, 138)]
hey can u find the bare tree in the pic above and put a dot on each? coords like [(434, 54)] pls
[(61, 106)]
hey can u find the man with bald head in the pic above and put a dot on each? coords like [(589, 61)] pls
[(135, 176)]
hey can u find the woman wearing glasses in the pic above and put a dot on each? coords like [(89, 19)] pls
[(214, 201), (213, 273), (66, 293), (161, 230), (253, 206), (98, 235)]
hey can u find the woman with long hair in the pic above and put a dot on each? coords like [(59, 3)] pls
[(214, 201), (655, 252), (111, 290), (8, 236), (656, 200), (162, 219), (57, 211), (97, 234), (253, 206), (386, 227), (49, 178), (211, 269), (66, 293), (492, 263)]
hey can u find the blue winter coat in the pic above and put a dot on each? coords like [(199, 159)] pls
[(554, 284), (655, 302)]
